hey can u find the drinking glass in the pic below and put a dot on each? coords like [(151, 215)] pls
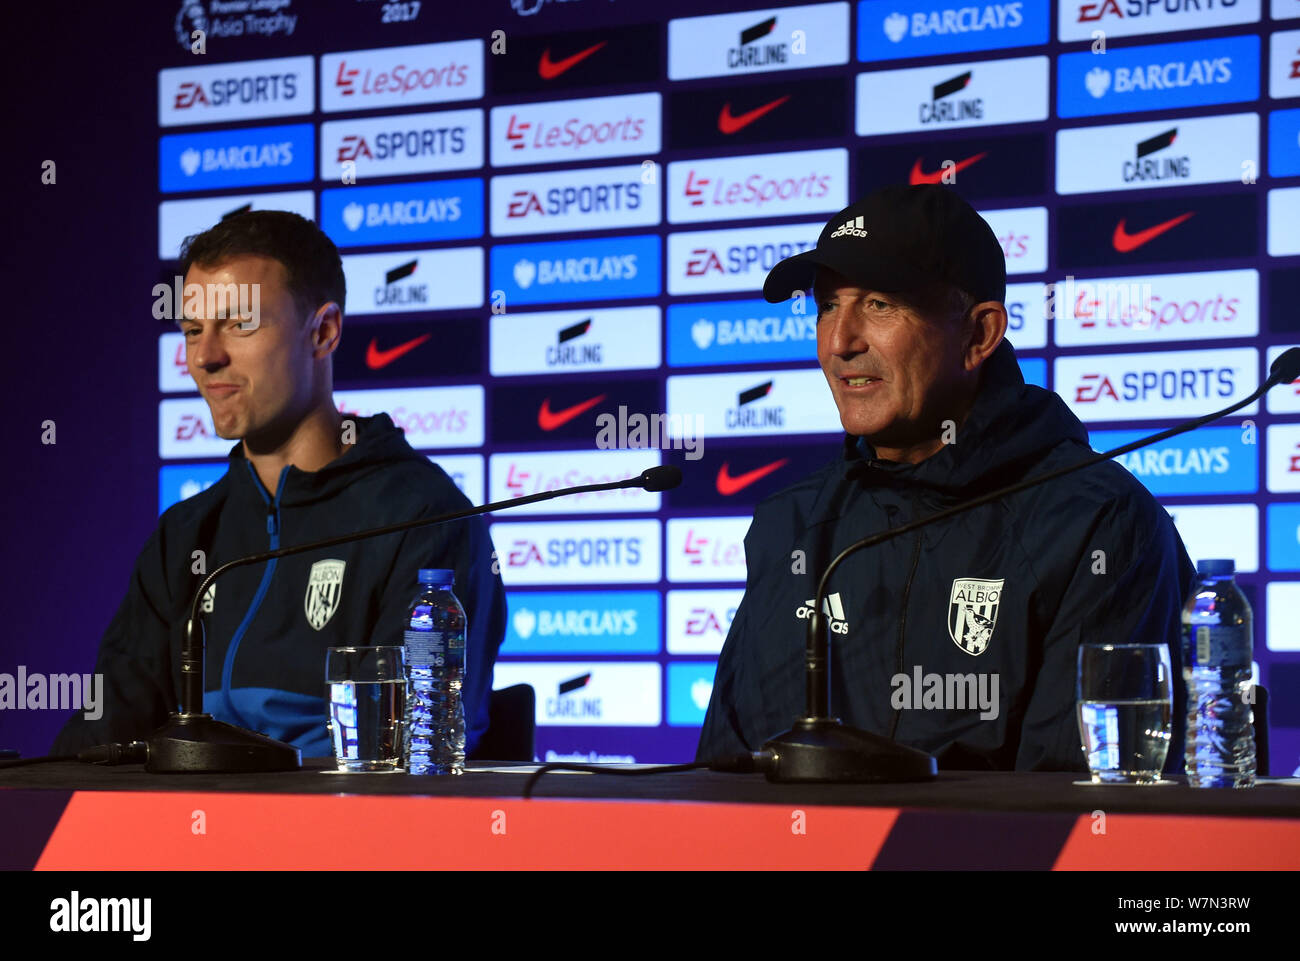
[(366, 690), (1125, 711)]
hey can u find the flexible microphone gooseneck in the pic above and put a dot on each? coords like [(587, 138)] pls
[(192, 741), (819, 747)]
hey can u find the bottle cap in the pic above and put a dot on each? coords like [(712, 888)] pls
[(437, 576), (1216, 566)]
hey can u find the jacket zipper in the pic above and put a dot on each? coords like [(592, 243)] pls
[(902, 622)]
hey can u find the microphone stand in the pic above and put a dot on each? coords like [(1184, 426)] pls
[(194, 742), (818, 748)]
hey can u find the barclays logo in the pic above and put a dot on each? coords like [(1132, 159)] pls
[(403, 213), (922, 28), (1159, 77), (739, 332), (577, 270), (236, 158)]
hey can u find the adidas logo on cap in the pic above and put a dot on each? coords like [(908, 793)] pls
[(850, 228)]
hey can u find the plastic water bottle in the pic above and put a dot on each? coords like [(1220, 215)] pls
[(435, 657), (1217, 639)]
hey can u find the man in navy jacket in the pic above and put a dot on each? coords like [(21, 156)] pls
[(301, 472), (961, 638)]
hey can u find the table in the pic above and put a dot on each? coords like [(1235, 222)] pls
[(72, 816)]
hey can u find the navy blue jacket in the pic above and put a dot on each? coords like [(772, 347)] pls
[(1088, 558), (268, 625)]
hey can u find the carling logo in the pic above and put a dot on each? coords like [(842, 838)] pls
[(413, 143), (410, 280), (601, 198), (924, 28), (707, 548), (698, 620), (576, 270), (1162, 77), (1135, 156), (952, 95), (235, 158), (759, 41), (578, 552), (589, 694), (245, 90), (403, 213), (765, 185), (1079, 19), (569, 130), (401, 76), (568, 341), (178, 219), (755, 403), (430, 416), (1148, 386), (721, 261)]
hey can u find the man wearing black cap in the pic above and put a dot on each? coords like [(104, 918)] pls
[(962, 638)]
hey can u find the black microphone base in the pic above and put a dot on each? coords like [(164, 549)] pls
[(824, 750), (200, 744)]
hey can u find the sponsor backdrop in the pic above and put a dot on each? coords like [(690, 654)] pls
[(555, 218)]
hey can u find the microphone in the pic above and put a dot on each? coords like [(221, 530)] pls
[(192, 741), (818, 748)]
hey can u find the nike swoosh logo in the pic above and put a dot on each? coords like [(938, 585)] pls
[(920, 176), (1123, 241), (549, 69), (728, 485), (548, 419), (729, 124), (376, 358)]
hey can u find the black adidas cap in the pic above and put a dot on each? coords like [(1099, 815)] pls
[(901, 237)]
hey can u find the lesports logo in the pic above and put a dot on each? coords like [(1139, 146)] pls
[(431, 417), (402, 76), (832, 607), (766, 185), (564, 130), (707, 548), (850, 228)]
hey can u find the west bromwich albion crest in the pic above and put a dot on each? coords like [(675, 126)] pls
[(973, 612), (324, 588)]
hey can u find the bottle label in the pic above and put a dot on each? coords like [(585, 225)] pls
[(1217, 647), (425, 648), (1202, 644)]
